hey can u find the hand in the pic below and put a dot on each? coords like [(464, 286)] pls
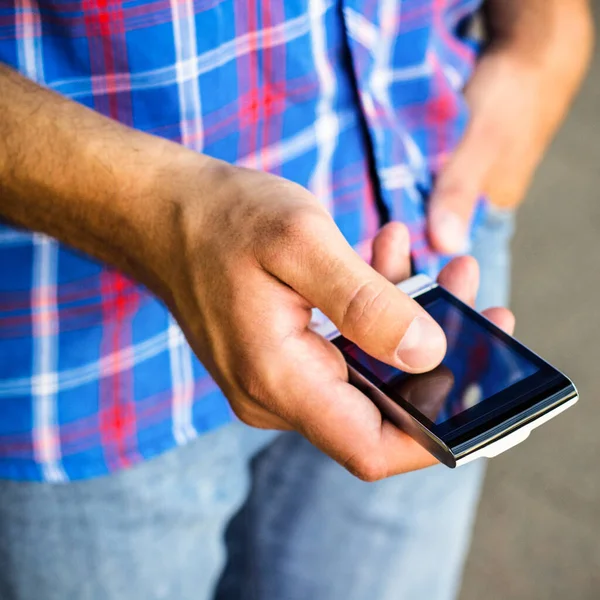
[(460, 277), (254, 257), (258, 254), (240, 257), (518, 96)]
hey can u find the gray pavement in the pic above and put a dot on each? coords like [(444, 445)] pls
[(538, 530)]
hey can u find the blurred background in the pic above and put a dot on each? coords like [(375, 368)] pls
[(538, 529)]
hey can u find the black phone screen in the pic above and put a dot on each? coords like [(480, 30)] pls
[(480, 362)]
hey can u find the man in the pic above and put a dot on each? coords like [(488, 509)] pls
[(359, 111)]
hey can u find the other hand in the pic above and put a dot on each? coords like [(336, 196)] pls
[(518, 95)]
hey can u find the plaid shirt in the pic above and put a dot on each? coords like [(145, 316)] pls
[(358, 100)]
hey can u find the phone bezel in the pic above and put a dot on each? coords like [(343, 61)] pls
[(520, 398)]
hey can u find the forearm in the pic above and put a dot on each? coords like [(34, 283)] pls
[(90, 182), (545, 47), (559, 33), (520, 90)]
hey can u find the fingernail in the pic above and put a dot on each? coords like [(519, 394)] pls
[(450, 231), (422, 344)]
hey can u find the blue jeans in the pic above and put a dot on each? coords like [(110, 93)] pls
[(243, 514)]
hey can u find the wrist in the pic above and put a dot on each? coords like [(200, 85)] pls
[(181, 189), (117, 194)]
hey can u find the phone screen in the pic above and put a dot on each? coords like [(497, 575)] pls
[(479, 363)]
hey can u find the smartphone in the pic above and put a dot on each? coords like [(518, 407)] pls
[(486, 396)]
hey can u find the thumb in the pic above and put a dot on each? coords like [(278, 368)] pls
[(457, 188), (366, 308)]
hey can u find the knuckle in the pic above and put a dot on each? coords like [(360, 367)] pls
[(249, 380), (303, 220), (283, 235), (257, 399), (363, 309), (257, 377), (250, 415), (456, 189), (245, 415), (367, 468)]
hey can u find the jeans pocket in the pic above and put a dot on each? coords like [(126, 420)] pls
[(491, 248)]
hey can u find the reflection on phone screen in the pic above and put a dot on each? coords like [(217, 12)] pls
[(477, 365)]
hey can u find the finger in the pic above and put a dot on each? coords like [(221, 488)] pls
[(391, 252), (402, 452), (256, 416), (345, 424), (303, 380), (461, 278), (315, 260), (341, 421), (364, 443), (457, 187), (502, 317)]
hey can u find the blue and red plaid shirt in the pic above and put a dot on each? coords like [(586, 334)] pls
[(358, 100)]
